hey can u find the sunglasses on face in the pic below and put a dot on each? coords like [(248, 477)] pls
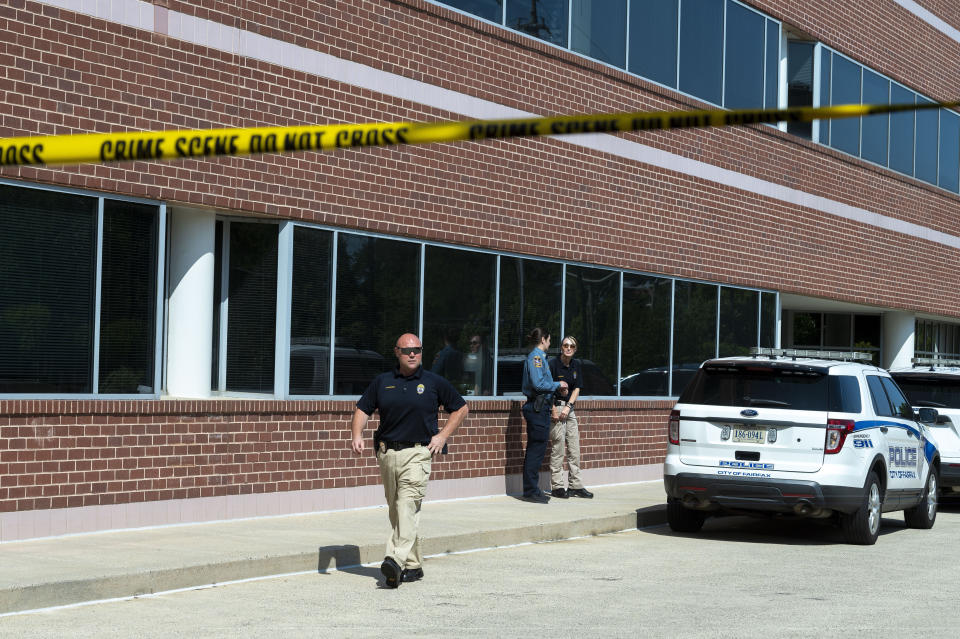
[(410, 350), (568, 345)]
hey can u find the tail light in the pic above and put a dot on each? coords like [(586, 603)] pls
[(837, 431), (674, 428)]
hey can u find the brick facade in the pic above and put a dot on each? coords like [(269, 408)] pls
[(64, 72)]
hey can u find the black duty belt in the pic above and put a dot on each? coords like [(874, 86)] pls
[(401, 445)]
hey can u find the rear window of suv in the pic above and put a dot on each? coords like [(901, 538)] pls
[(773, 387), (930, 391)]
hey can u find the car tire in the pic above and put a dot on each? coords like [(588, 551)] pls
[(862, 527), (925, 512), (682, 519)]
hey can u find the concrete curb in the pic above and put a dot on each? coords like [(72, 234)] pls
[(143, 582)]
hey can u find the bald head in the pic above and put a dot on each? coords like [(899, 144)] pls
[(409, 352)]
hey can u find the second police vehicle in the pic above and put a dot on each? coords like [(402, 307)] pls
[(800, 433)]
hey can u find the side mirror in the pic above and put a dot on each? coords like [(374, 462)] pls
[(928, 415)]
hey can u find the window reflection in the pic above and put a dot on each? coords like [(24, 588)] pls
[(653, 40), (645, 357), (768, 320), (489, 9), (530, 296), (310, 312), (592, 316), (458, 305), (800, 83), (845, 133), (701, 49), (926, 150), (738, 321), (543, 19), (949, 150), (744, 58), (876, 90), (901, 131), (694, 330), (599, 30), (378, 300)]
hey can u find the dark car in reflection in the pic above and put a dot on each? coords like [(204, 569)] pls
[(654, 382), (510, 377), (355, 369)]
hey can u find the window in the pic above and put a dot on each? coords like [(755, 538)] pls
[(800, 83), (772, 71), (488, 9), (645, 355), (836, 330), (873, 143), (251, 318), (949, 150), (901, 405), (738, 321), (54, 336), (901, 131), (845, 133), (653, 40), (530, 296), (881, 403), (543, 19), (826, 66), (768, 320), (701, 49), (378, 300), (458, 303), (928, 122), (592, 316), (694, 330), (599, 30), (310, 313), (745, 40)]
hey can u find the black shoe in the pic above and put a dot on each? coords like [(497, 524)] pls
[(537, 498), (412, 574), (580, 492), (391, 570), (560, 493)]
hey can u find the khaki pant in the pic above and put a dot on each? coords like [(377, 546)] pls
[(404, 474), (565, 431)]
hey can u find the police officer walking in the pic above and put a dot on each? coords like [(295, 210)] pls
[(565, 431), (408, 398), (539, 388)]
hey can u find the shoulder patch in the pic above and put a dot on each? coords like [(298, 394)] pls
[(537, 361)]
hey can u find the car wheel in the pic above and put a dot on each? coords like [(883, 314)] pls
[(863, 526), (683, 519), (924, 513)]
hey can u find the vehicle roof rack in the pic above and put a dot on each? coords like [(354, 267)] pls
[(842, 356), (933, 362)]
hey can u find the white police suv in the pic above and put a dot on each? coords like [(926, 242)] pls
[(935, 383), (799, 433)]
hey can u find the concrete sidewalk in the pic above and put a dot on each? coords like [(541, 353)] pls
[(71, 569)]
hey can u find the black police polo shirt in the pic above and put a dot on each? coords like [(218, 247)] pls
[(408, 405), (572, 375)]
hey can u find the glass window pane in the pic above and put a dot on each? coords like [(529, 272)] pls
[(128, 297), (47, 272), (768, 320), (926, 153), (252, 307), (701, 49), (738, 321), (800, 83), (599, 30), (544, 19), (530, 296), (836, 330), (949, 150), (378, 300), (744, 58), (845, 133), (458, 304), (826, 66), (806, 330), (653, 40), (694, 330), (773, 65), (866, 332), (217, 295), (873, 144), (901, 131), (645, 357), (489, 9), (593, 317), (310, 313)]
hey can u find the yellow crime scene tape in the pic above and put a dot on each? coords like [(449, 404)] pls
[(172, 145)]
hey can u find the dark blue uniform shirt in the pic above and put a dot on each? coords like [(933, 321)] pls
[(572, 374), (408, 405)]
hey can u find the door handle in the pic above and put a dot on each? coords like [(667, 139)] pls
[(883, 429)]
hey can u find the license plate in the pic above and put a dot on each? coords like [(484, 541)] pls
[(749, 435)]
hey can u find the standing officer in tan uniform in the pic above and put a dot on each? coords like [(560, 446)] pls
[(408, 398), (565, 429)]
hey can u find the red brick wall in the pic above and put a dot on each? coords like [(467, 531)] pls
[(60, 454)]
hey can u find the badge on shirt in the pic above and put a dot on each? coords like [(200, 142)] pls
[(574, 374), (420, 389), (537, 361)]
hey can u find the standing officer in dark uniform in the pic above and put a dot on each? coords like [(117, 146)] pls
[(408, 398), (539, 388)]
